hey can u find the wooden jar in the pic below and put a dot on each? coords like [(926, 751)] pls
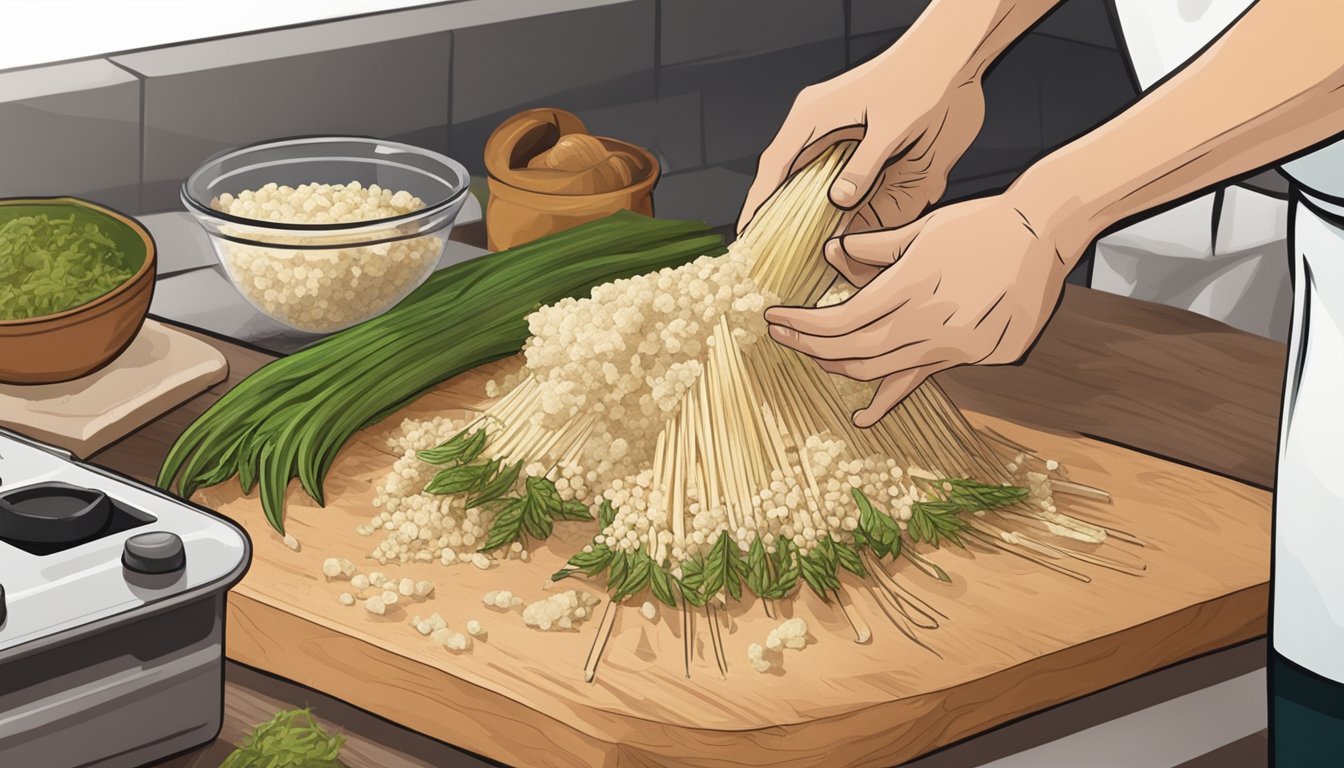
[(546, 174)]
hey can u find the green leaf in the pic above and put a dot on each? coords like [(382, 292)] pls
[(536, 518), (458, 479), (475, 444), (574, 510), (819, 573), (879, 530), (786, 568), (620, 570), (495, 488), (692, 581), (758, 572), (606, 514), (451, 450), (934, 522), (506, 527), (848, 558), (544, 493), (661, 584), (724, 568), (589, 563), (637, 576)]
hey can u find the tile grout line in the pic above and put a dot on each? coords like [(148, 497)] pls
[(140, 182)]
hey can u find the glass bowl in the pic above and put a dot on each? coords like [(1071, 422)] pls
[(323, 277)]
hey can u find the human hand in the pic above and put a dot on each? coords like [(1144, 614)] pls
[(968, 284), (912, 124)]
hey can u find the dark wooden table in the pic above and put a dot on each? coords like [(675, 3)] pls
[(1159, 380)]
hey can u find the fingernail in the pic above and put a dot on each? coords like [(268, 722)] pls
[(783, 334), (843, 191), (860, 419), (834, 249)]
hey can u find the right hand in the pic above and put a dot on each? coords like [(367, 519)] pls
[(912, 126)]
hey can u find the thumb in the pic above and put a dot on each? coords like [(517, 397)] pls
[(879, 248), (860, 173)]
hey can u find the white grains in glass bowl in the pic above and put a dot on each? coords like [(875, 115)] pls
[(329, 286)]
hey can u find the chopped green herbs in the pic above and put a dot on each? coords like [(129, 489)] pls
[(291, 739), (49, 264)]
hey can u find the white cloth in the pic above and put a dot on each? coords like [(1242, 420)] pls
[(1308, 620), (1234, 268), (1173, 257)]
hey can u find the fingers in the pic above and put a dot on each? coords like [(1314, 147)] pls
[(861, 171), (893, 334), (857, 274), (882, 294), (890, 393)]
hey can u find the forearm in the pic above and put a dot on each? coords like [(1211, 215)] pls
[(1272, 86), (967, 35)]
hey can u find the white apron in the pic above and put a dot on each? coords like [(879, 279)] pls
[(1308, 588), (1225, 254)]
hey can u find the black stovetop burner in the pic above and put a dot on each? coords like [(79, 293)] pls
[(46, 518)]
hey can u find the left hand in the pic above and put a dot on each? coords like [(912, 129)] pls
[(968, 284)]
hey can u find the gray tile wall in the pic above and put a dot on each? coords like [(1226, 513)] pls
[(703, 83), (71, 129)]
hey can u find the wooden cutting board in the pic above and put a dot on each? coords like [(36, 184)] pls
[(161, 369), (1017, 639)]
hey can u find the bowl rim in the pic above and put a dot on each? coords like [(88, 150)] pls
[(203, 209), (151, 256)]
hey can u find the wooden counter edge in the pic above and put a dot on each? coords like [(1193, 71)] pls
[(496, 726)]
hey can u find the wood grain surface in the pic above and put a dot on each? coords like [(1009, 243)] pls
[(1018, 638)]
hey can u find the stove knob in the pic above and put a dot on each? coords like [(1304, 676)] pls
[(157, 552)]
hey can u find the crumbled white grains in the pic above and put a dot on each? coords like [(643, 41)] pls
[(756, 655), (456, 641), (480, 561), (375, 605), (502, 599), (345, 598), (447, 556), (291, 542), (441, 635), (562, 611), (648, 610), (389, 597), (324, 288), (1051, 465), (424, 589), (406, 587), (377, 579), (331, 567), (792, 633), (360, 582), (475, 629)]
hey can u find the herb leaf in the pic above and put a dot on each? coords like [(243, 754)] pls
[(880, 532), (574, 510), (589, 563), (506, 527), (494, 488), (450, 450), (606, 514)]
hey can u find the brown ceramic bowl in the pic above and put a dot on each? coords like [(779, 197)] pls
[(66, 345)]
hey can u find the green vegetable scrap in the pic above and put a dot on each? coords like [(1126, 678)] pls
[(49, 264), (291, 739), (775, 575)]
